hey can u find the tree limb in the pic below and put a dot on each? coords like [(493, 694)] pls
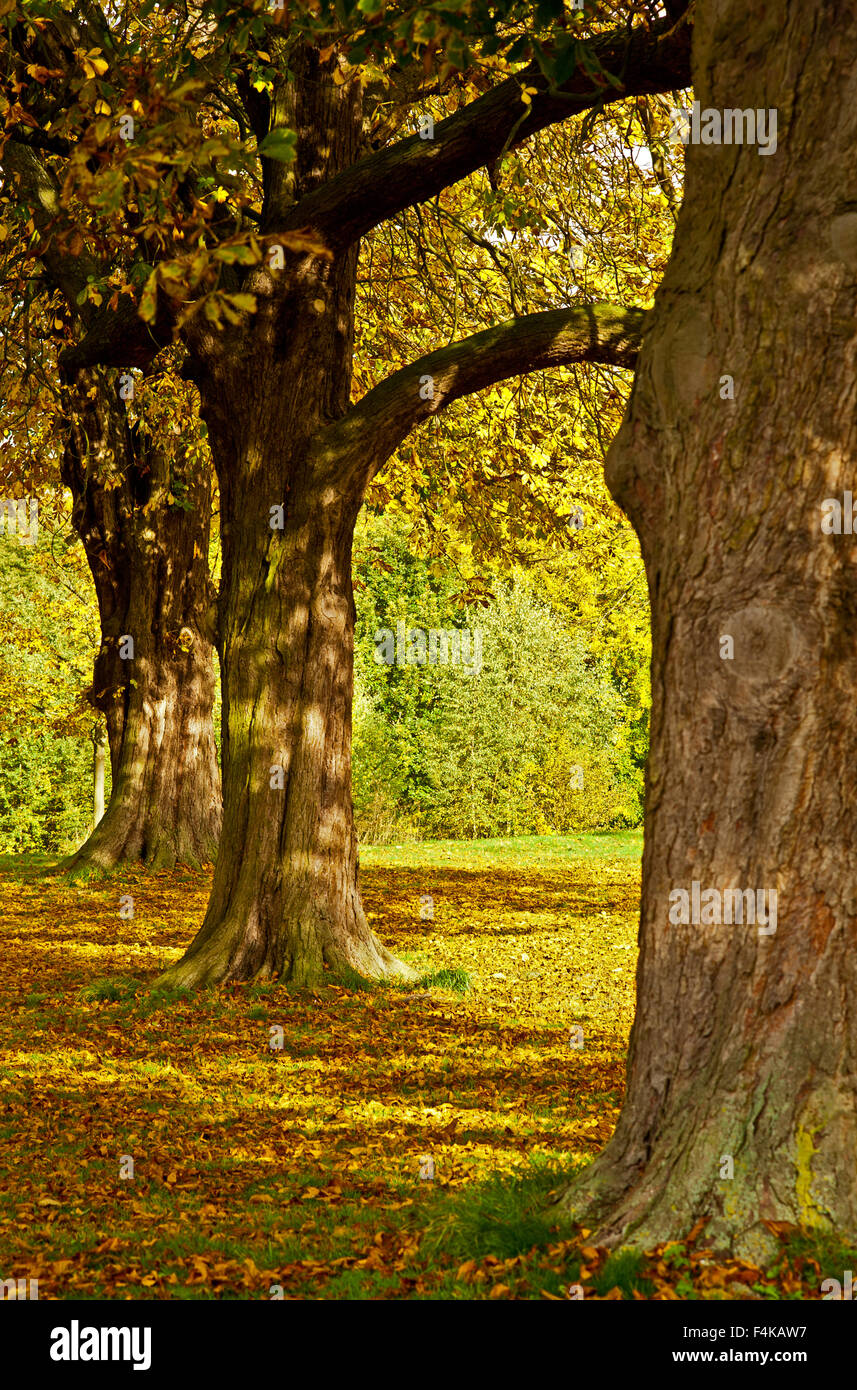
[(381, 184), (374, 427)]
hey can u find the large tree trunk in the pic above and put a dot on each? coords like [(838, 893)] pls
[(149, 563), (285, 899), (744, 1043)]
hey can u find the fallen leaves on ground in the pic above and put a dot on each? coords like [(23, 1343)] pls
[(264, 1173)]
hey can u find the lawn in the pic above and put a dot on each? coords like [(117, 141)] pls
[(278, 1137)]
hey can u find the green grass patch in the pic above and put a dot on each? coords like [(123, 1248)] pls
[(505, 1215), (454, 979), (623, 1270), (518, 852), (833, 1255), (112, 988)]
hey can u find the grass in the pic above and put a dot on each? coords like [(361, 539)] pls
[(458, 981), (505, 1215), (522, 851)]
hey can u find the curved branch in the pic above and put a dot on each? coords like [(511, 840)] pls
[(373, 428)]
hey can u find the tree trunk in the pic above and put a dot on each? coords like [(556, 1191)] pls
[(285, 899), (744, 1042), (149, 563)]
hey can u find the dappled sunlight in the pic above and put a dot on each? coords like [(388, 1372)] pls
[(366, 1082)]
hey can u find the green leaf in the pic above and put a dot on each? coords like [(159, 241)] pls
[(148, 306), (244, 255), (246, 303), (279, 144)]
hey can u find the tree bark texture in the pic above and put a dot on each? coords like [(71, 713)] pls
[(285, 899), (744, 1044), (149, 563)]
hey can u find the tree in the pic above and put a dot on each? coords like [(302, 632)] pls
[(45, 731), (144, 519), (741, 424), (271, 355), (142, 510)]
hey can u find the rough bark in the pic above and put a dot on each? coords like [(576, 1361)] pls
[(745, 1044), (285, 899), (149, 565)]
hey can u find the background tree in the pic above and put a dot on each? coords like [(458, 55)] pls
[(138, 481), (532, 738), (45, 726), (141, 504)]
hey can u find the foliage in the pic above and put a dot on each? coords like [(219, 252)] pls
[(499, 750), (49, 638), (414, 728)]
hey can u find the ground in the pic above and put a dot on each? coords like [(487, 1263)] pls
[(294, 1171)]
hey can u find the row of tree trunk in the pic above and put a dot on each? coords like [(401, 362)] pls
[(742, 1101)]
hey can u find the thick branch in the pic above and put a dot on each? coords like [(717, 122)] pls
[(120, 338), (375, 188), (382, 184), (378, 423)]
